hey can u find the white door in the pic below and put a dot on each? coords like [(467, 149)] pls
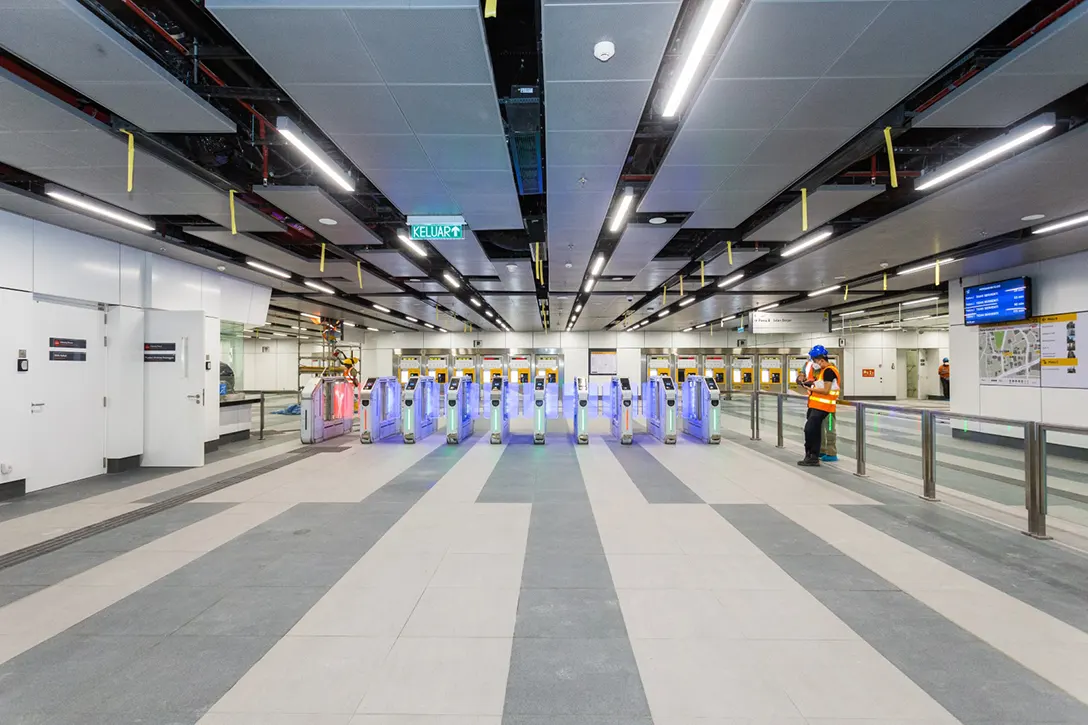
[(68, 380), (173, 388)]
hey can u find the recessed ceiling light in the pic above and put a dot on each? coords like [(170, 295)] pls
[(824, 291), (658, 220), (598, 265), (762, 309), (489, 313), (290, 131), (617, 279), (511, 267), (372, 329), (1028, 132), (1032, 217), (715, 11), (1064, 224), (924, 267), (840, 277), (379, 308), (568, 265), (99, 209), (319, 287), (411, 244), (220, 268), (475, 302), (624, 206), (920, 302), (730, 280), (688, 301), (807, 242), (268, 268), (410, 319), (327, 222), (451, 280), (687, 329)]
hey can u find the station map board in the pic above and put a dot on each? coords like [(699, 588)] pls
[(1039, 352)]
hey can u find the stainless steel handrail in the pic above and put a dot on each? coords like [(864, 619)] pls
[(1053, 428)]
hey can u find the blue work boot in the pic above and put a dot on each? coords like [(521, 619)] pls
[(829, 459)]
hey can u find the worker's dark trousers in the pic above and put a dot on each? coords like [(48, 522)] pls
[(814, 425), (944, 387)]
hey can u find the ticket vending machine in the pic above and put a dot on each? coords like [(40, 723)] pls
[(548, 366), (328, 408), (409, 367), (465, 368), (520, 369), (621, 410), (540, 418), (661, 419), (715, 368), (459, 421), (491, 367), (686, 365), (702, 409), (657, 365), (770, 373), (581, 410), (744, 374), (499, 414), (379, 409), (438, 368), (420, 410), (797, 365)]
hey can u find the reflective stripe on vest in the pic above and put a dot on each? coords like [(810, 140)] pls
[(826, 401)]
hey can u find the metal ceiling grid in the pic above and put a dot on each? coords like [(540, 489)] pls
[(311, 204), (824, 204), (375, 93), (345, 277), (428, 285), (639, 244), (650, 277), (812, 304), (51, 139), (1043, 69), (421, 311), (466, 255), (259, 249), (515, 275), (720, 266), (92, 58), (334, 308), (1046, 179), (776, 115), (592, 111), (521, 312), (711, 308), (467, 311), (391, 262)]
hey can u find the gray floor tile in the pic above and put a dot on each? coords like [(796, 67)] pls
[(144, 531), (254, 611), (53, 567), (822, 571), (565, 571), (580, 720), (155, 610), (569, 613), (656, 482), (13, 592), (305, 569), (574, 677)]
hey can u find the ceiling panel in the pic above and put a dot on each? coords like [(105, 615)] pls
[(257, 248), (515, 275), (345, 277), (86, 54), (638, 245), (720, 265), (1046, 179), (311, 204), (467, 311), (715, 307), (521, 312), (391, 262), (1043, 69), (824, 204), (466, 255), (826, 301)]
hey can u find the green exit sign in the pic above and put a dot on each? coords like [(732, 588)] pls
[(426, 232)]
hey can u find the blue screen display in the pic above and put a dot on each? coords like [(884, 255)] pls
[(1005, 301)]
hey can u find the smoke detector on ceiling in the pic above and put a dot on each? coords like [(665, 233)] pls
[(327, 222), (604, 50)]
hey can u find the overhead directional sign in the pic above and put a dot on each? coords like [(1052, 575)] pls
[(426, 228)]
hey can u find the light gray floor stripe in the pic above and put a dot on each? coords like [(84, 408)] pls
[(167, 653), (656, 482), (975, 682), (571, 661), (1047, 577)]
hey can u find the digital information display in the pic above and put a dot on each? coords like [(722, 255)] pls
[(1005, 301)]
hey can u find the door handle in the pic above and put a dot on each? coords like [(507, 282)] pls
[(195, 397)]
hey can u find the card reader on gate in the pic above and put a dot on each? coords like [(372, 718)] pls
[(581, 410), (539, 417), (621, 410), (499, 415)]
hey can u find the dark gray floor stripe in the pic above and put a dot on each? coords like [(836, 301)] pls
[(968, 677), (217, 483), (1049, 578), (571, 661), (166, 654), (656, 482)]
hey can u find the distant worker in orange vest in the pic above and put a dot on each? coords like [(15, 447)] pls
[(823, 398), (829, 449), (944, 372)]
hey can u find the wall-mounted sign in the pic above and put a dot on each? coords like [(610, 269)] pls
[(868, 373), (686, 362), (159, 346), (437, 363), (462, 363), (742, 343), (425, 228), (603, 362), (715, 363), (65, 356), (152, 357), (409, 363), (776, 321), (67, 343), (519, 362)]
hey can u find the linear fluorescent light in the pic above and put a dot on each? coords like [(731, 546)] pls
[(699, 327), (279, 334), (852, 314), (348, 324), (415, 247), (825, 290), (923, 267), (733, 317), (451, 280), (919, 317), (578, 308), (410, 319), (319, 287), (428, 325), (475, 302), (290, 131), (99, 209), (912, 303), (764, 309), (730, 280), (1026, 133), (379, 308), (688, 301), (711, 21), (598, 265), (489, 313), (688, 329), (807, 242), (662, 313), (372, 329), (1064, 224), (589, 284), (269, 269), (621, 210)]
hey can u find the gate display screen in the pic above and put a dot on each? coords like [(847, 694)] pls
[(1005, 301)]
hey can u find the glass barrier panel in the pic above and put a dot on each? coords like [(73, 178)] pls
[(513, 400), (1067, 477), (982, 460), (551, 400), (893, 440)]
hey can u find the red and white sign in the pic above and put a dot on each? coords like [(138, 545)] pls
[(868, 373)]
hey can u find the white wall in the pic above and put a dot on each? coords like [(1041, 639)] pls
[(1058, 286), (40, 259), (271, 363)]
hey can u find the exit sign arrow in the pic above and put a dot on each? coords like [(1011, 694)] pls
[(428, 232)]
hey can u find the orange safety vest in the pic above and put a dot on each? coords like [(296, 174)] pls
[(826, 401), (943, 371)]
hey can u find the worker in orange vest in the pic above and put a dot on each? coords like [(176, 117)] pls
[(823, 398), (829, 449), (943, 371)]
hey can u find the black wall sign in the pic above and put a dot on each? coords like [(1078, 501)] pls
[(67, 342), (65, 356), (160, 357), (160, 346)]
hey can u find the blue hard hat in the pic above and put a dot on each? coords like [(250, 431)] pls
[(818, 351), (946, 359)]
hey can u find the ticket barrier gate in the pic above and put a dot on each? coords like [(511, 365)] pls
[(500, 415), (379, 409), (420, 414), (540, 418), (702, 409), (581, 411), (661, 420), (621, 410), (328, 408), (460, 423)]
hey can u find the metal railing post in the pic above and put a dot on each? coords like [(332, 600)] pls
[(859, 438), (755, 415), (1035, 471), (262, 417), (929, 456), (781, 406)]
